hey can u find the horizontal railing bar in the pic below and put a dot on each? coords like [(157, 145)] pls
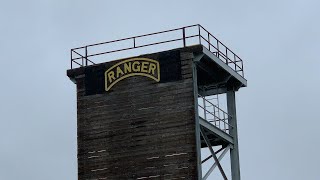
[(209, 43), (77, 63), (209, 112), (214, 105), (111, 51), (238, 65), (178, 39), (166, 31), (219, 119), (160, 32), (90, 61), (77, 53), (73, 59), (223, 122)]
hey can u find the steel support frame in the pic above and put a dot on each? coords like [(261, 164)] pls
[(232, 146), (199, 130)]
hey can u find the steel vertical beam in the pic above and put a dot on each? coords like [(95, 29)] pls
[(197, 123), (234, 152)]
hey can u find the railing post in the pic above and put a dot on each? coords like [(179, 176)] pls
[(227, 60), (235, 61), (209, 40), (214, 116), (235, 66), (71, 58), (242, 68), (86, 49), (224, 122), (199, 34), (218, 48), (184, 36), (204, 108), (134, 42)]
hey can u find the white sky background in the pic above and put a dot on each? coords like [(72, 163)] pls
[(279, 42)]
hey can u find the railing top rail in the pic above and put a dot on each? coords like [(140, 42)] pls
[(132, 37)]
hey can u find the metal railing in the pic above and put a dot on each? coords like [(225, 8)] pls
[(213, 114), (202, 36)]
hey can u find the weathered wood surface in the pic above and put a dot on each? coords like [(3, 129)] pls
[(140, 129)]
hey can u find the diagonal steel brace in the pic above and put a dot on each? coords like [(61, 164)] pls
[(213, 153)]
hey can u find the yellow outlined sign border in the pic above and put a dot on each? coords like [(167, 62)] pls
[(107, 88)]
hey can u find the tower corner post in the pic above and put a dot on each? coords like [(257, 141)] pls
[(234, 152), (197, 125)]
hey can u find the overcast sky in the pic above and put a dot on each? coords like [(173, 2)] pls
[(278, 113)]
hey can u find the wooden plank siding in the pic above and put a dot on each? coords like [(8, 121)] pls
[(141, 129)]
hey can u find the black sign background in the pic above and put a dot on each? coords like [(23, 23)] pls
[(170, 70)]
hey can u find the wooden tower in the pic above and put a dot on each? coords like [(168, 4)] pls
[(149, 116)]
